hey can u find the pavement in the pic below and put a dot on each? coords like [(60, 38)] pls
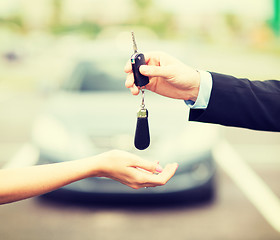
[(232, 215)]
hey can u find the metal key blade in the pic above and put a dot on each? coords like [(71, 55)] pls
[(134, 42)]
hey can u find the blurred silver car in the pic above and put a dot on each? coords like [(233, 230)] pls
[(93, 112)]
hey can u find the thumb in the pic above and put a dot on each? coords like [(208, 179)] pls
[(154, 71)]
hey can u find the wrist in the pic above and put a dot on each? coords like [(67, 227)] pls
[(101, 164), (204, 93), (92, 166), (194, 90)]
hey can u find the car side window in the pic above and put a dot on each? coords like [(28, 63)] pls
[(88, 77)]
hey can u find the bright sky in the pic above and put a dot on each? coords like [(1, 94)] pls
[(254, 8)]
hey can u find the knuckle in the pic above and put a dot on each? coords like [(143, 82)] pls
[(127, 84), (113, 151)]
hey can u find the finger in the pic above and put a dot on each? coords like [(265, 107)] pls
[(149, 166), (162, 178), (129, 83), (129, 80), (157, 58), (128, 67), (134, 90), (169, 171), (153, 180), (154, 71)]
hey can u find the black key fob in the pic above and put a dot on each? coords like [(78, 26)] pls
[(142, 134), (138, 59)]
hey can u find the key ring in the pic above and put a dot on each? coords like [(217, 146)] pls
[(143, 96)]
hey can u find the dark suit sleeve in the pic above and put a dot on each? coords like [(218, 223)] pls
[(243, 103)]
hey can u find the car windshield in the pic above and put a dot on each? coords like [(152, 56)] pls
[(92, 76)]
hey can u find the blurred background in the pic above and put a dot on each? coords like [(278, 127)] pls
[(41, 41)]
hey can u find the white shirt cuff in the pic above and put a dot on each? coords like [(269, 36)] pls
[(203, 93)]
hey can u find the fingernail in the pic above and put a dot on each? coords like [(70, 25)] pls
[(159, 169)]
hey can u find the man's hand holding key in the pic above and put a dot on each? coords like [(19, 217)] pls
[(168, 77)]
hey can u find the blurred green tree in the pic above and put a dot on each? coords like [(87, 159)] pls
[(276, 17), (148, 14), (58, 27)]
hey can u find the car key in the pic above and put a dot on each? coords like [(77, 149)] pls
[(138, 59), (142, 134)]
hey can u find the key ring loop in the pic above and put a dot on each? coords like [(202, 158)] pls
[(143, 96)]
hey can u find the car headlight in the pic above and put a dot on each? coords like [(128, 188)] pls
[(53, 138), (200, 171), (193, 143)]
